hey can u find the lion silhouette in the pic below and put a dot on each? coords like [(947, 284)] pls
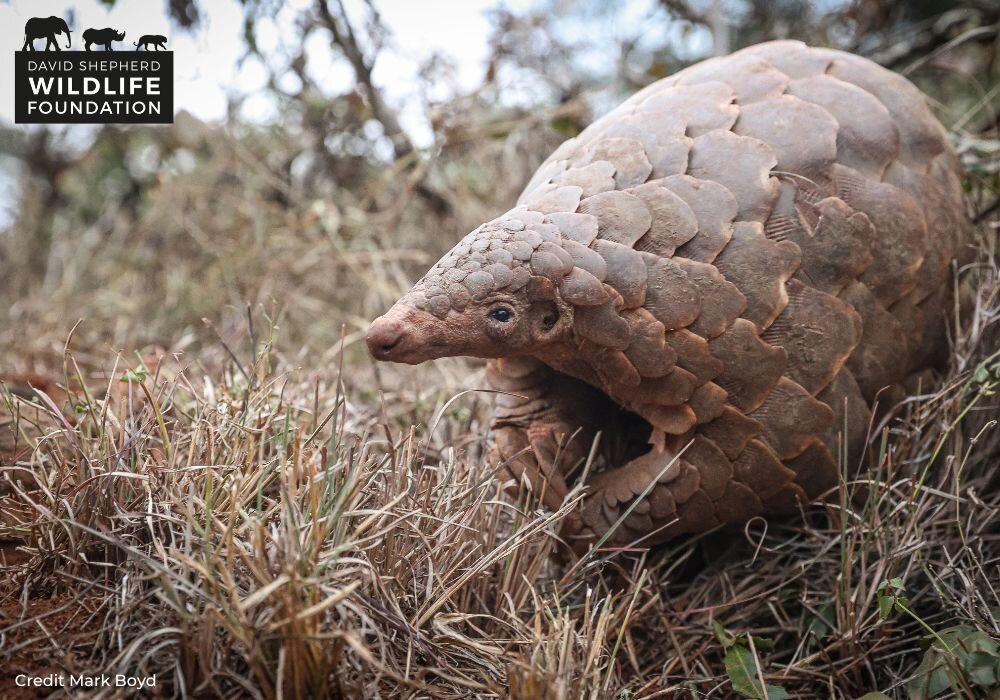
[(157, 40), (102, 37)]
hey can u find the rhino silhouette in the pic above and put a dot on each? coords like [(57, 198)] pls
[(45, 28), (102, 37), (157, 40)]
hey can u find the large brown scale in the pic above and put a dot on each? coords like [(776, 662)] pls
[(741, 255)]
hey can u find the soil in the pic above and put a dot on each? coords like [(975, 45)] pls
[(24, 639), (11, 556)]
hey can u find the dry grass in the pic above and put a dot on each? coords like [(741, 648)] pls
[(266, 535), (249, 508)]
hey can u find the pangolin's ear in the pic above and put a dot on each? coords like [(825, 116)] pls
[(550, 318)]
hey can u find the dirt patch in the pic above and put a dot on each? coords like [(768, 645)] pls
[(11, 556), (38, 639)]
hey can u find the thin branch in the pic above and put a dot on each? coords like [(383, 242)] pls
[(682, 10), (346, 40), (344, 37), (977, 33)]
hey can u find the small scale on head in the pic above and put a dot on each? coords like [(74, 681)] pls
[(500, 292)]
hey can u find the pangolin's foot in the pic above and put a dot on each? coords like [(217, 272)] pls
[(634, 503)]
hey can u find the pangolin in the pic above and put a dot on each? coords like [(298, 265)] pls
[(736, 261)]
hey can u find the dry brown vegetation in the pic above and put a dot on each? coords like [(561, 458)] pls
[(204, 477)]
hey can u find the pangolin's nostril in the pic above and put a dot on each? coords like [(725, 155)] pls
[(384, 336)]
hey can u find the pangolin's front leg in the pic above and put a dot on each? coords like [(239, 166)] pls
[(544, 427), (544, 424)]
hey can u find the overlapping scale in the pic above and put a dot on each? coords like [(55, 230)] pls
[(754, 248)]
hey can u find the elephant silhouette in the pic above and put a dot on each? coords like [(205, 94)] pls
[(157, 40), (102, 37), (45, 28)]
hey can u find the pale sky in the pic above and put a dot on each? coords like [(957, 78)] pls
[(205, 64)]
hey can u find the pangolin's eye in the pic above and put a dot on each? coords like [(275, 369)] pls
[(501, 314)]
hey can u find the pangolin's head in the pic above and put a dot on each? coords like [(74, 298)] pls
[(506, 289)]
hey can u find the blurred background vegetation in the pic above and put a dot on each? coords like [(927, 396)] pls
[(323, 214)]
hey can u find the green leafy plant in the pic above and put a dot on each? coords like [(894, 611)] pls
[(961, 658), (890, 597), (138, 375), (743, 666)]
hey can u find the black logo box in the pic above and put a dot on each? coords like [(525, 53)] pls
[(73, 74)]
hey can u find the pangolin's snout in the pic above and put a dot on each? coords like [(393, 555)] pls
[(386, 338)]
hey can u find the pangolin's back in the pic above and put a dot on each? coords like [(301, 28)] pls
[(788, 214)]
